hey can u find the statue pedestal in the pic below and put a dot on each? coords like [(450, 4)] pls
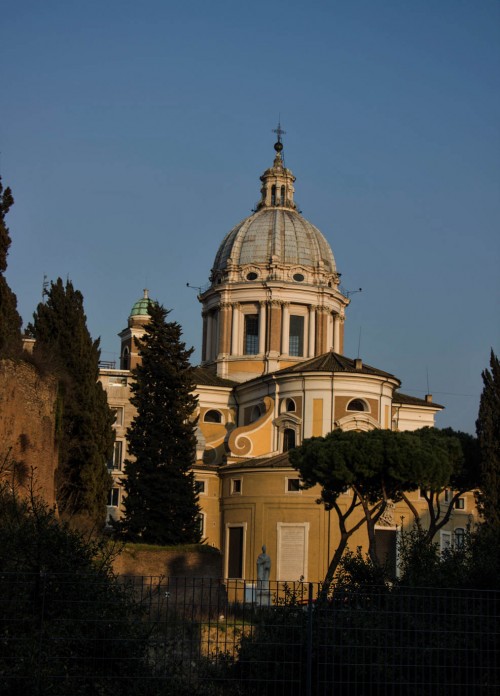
[(263, 594), (263, 599)]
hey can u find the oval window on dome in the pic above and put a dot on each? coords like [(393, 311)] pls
[(298, 277), (252, 276)]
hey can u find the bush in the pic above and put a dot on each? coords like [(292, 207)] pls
[(67, 624)]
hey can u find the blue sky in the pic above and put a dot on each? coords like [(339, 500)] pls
[(133, 137)]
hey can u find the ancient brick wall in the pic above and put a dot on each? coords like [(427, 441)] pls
[(168, 563), (27, 427), (191, 579)]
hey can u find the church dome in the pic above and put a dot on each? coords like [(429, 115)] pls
[(276, 237)]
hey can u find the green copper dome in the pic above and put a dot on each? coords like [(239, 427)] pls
[(140, 308)]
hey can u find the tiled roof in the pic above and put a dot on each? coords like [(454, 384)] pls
[(207, 378), (332, 362), (400, 398), (278, 461)]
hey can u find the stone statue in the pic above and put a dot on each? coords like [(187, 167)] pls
[(263, 566)]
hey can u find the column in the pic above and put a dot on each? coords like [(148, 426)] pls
[(329, 331), (208, 350), (262, 327), (336, 333), (235, 329), (224, 328), (312, 330), (204, 338), (275, 327), (285, 328), (321, 319)]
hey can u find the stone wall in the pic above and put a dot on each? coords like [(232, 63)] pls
[(168, 563), (28, 403), (191, 580)]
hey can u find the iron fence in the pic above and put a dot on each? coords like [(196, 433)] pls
[(157, 636)]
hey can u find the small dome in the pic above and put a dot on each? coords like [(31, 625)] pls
[(276, 234), (140, 307)]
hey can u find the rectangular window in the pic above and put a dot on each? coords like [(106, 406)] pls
[(116, 460), (459, 538), (448, 495), (386, 540), (114, 497), (118, 411), (117, 382), (235, 552), (251, 337), (201, 523), (460, 504), (445, 542), (199, 487), (293, 485), (235, 486), (296, 341)]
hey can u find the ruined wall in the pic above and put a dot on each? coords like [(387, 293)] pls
[(190, 579), (27, 426), (168, 562)]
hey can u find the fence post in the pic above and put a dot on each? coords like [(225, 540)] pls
[(309, 641)]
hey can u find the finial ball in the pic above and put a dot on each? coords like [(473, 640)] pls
[(278, 146)]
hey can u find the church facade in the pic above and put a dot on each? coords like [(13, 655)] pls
[(274, 373)]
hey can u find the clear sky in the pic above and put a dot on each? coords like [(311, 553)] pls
[(133, 136)]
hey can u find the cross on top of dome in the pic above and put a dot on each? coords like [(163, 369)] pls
[(278, 146), (277, 181)]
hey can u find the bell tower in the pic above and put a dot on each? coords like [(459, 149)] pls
[(138, 318)]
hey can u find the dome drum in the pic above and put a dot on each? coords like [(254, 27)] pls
[(274, 271)]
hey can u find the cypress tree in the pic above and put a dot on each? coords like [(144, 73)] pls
[(161, 505), (488, 433), (85, 432), (10, 321)]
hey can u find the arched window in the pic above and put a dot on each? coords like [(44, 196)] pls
[(290, 405), (288, 439), (282, 200), (356, 405), (125, 361), (273, 195), (213, 416)]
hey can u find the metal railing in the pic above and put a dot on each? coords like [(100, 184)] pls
[(64, 634)]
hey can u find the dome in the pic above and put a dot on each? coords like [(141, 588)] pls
[(140, 308), (278, 235)]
